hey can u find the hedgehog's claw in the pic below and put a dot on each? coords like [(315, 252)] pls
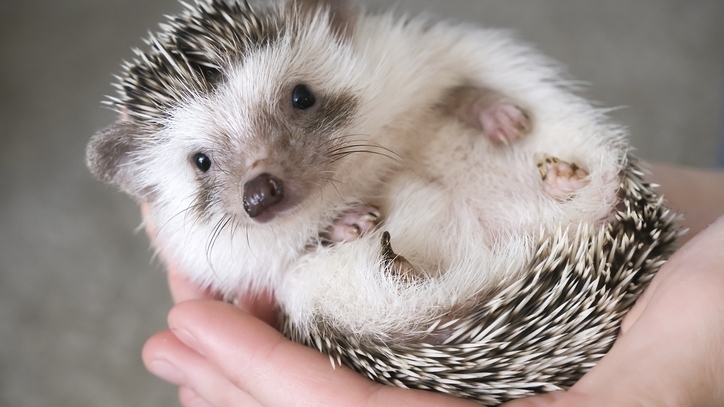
[(502, 121), (352, 224), (561, 179), (395, 264)]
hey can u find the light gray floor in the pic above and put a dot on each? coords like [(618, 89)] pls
[(78, 292)]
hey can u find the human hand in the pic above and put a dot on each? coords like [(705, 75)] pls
[(225, 356), (671, 350)]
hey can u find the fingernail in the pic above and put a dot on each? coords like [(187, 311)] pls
[(188, 339), (167, 371)]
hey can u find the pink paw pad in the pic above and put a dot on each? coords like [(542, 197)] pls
[(353, 223), (504, 122), (561, 179)]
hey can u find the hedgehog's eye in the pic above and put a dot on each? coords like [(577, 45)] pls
[(302, 97), (202, 161)]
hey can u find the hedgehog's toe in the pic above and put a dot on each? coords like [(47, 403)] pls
[(561, 179), (503, 121), (352, 224)]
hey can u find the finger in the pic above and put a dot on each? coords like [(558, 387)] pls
[(672, 354), (167, 357), (182, 289), (259, 360), (641, 303), (664, 275), (262, 306), (189, 398)]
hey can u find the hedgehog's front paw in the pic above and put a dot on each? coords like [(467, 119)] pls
[(395, 264), (561, 179), (502, 121), (352, 224)]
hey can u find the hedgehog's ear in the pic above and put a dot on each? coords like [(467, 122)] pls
[(108, 156), (343, 13)]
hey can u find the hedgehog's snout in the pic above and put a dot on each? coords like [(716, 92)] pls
[(261, 194)]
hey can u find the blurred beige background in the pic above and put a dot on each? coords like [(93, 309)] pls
[(78, 292)]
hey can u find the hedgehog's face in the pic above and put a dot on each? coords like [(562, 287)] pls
[(264, 141)]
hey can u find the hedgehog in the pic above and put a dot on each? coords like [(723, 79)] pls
[(431, 204)]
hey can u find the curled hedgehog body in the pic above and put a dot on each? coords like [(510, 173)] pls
[(430, 204)]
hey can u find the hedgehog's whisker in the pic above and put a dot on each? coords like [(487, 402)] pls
[(184, 211), (211, 242), (349, 140)]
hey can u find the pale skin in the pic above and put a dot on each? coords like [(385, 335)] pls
[(670, 352)]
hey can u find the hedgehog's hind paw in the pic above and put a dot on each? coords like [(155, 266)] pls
[(503, 121), (395, 264), (561, 179)]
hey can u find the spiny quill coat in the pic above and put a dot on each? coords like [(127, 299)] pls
[(293, 148)]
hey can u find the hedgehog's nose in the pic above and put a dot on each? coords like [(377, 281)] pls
[(262, 193)]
